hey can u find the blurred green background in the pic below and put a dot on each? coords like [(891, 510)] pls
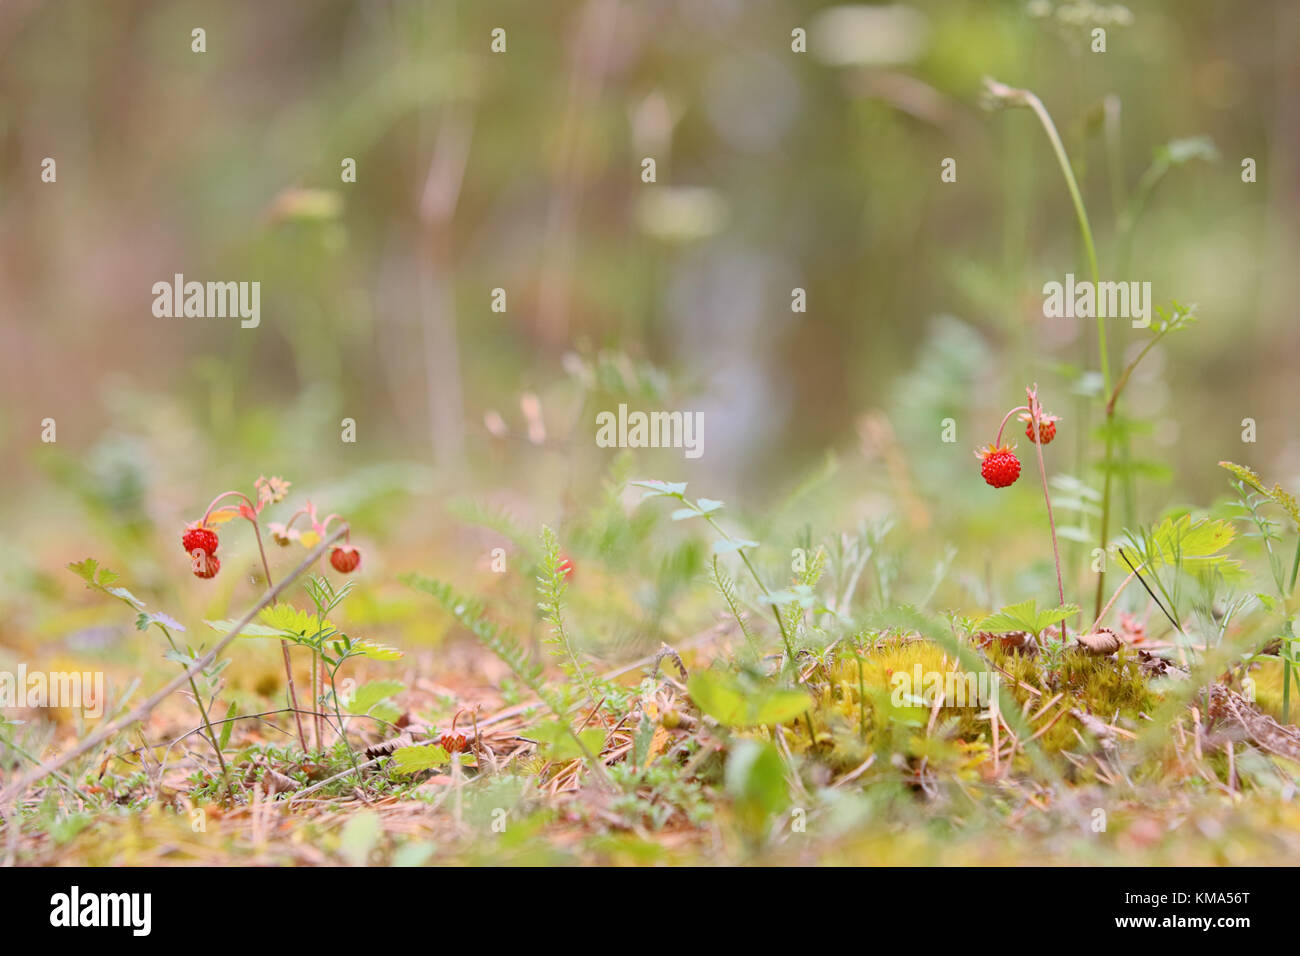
[(521, 171)]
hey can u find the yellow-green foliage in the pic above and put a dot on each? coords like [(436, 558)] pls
[(856, 712), (1113, 691), (854, 716)]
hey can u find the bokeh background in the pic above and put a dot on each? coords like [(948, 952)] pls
[(521, 171)]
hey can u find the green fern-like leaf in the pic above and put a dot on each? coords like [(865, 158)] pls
[(551, 585), (495, 519), (1277, 494), (469, 613), (727, 588)]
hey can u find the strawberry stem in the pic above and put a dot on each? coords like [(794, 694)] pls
[(1006, 418), (1036, 413)]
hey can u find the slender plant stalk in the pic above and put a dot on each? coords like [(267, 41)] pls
[(1103, 353), (315, 698), (776, 613), (203, 712), (1295, 563), (1288, 638), (1036, 412), (1113, 598), (334, 692), (1035, 104), (1027, 98), (284, 646)]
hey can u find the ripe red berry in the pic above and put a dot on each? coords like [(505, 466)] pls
[(566, 567), (206, 565), (999, 466), (1047, 423), (199, 538), (345, 559)]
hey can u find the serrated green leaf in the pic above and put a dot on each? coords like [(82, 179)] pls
[(376, 651), (291, 620), (1195, 545), (372, 693), (85, 569), (417, 758), (1025, 616), (251, 629)]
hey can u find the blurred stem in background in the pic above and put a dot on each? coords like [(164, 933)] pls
[(1008, 96), (442, 187), (586, 72)]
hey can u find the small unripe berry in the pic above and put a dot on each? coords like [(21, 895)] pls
[(1047, 423), (1048, 430), (205, 565), (345, 559), (453, 742)]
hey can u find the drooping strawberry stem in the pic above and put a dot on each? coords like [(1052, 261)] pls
[(1006, 418), (1036, 414)]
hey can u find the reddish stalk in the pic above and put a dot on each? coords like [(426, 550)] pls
[(1036, 412)]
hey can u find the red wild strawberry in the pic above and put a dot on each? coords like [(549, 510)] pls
[(999, 466), (453, 742), (345, 559), (566, 567), (206, 565), (1047, 423), (199, 538)]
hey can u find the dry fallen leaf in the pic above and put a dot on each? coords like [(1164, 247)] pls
[(386, 748), (1019, 641), (1101, 641)]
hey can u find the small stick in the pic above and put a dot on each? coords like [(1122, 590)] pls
[(1143, 582)]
